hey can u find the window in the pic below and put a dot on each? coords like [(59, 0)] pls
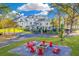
[(46, 23), (30, 22)]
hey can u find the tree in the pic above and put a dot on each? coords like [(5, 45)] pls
[(71, 10), (4, 9), (7, 23)]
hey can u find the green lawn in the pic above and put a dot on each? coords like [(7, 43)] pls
[(72, 42)]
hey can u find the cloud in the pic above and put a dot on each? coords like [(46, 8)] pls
[(35, 6), (13, 12), (44, 8), (43, 13)]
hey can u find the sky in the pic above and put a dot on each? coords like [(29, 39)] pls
[(33, 9)]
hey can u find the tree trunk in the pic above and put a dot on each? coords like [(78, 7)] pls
[(71, 29), (71, 25), (59, 21)]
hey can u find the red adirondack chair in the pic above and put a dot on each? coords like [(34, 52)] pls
[(50, 44), (42, 43), (33, 43), (40, 51), (32, 49), (56, 50), (29, 45)]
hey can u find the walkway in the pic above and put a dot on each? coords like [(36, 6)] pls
[(20, 37)]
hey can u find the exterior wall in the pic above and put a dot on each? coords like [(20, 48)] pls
[(34, 22)]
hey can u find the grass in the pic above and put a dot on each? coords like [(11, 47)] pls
[(72, 42)]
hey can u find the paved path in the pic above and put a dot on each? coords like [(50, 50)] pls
[(20, 37), (72, 34)]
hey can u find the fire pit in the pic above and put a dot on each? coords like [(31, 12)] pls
[(42, 50)]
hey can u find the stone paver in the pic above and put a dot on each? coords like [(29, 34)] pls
[(24, 51)]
